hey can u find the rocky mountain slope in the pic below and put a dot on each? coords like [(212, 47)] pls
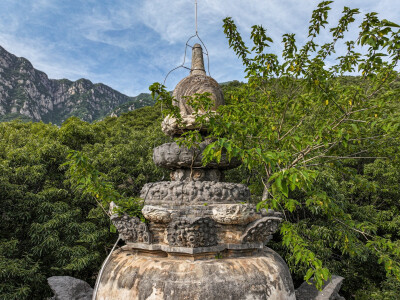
[(143, 99), (29, 94)]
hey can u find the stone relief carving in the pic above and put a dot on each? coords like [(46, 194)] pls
[(131, 229), (170, 156), (261, 230), (192, 232), (156, 214), (194, 192), (241, 214)]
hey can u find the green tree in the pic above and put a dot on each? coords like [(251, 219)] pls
[(49, 227), (297, 125)]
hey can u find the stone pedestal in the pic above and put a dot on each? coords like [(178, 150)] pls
[(202, 239)]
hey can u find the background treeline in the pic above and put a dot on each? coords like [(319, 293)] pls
[(48, 228)]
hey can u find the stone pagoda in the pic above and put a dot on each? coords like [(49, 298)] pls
[(202, 239)]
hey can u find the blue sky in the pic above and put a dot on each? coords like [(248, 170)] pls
[(128, 45)]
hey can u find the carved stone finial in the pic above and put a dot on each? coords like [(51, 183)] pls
[(197, 82), (197, 61)]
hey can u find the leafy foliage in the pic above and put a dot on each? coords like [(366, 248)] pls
[(309, 136)]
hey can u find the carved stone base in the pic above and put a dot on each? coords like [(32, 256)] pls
[(137, 275)]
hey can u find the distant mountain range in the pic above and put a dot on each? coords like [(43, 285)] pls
[(28, 94)]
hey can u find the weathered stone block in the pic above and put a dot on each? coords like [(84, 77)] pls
[(68, 288), (330, 290), (192, 232), (130, 229), (196, 175), (171, 127), (234, 213), (156, 214)]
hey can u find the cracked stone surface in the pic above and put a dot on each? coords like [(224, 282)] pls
[(259, 277)]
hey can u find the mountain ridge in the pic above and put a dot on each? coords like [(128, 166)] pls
[(28, 94)]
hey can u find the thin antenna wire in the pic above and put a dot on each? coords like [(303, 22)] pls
[(182, 65), (195, 10), (96, 286), (187, 45)]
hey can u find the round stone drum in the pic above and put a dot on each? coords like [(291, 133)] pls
[(133, 275)]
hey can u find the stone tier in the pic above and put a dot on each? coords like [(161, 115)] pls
[(199, 226), (171, 156), (179, 193), (197, 175)]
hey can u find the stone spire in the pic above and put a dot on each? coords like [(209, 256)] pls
[(196, 83), (197, 61), (194, 219)]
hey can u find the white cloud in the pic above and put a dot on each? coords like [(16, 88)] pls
[(130, 44), (43, 58)]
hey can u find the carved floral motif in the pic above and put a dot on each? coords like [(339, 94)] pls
[(261, 230), (192, 232), (194, 192), (131, 229)]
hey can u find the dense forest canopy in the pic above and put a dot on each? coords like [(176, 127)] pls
[(47, 226)]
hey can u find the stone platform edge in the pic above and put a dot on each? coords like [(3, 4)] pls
[(198, 250)]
